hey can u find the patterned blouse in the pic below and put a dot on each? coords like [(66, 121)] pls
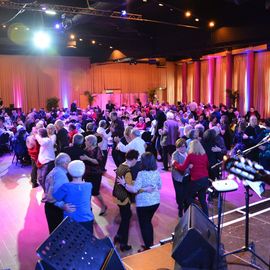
[(144, 179)]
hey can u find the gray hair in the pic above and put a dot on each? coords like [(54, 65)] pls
[(59, 124), (102, 123), (135, 132), (77, 139), (61, 159), (91, 139)]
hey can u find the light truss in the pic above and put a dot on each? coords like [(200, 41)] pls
[(69, 10), (36, 7)]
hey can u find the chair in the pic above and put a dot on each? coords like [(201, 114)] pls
[(4, 143), (20, 151)]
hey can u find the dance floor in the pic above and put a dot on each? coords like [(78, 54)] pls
[(24, 227)]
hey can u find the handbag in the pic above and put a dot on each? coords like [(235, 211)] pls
[(119, 192)]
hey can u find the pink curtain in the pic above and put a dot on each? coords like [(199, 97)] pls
[(261, 93), (239, 80)]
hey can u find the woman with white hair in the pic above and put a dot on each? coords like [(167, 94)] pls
[(93, 172), (78, 193), (197, 161)]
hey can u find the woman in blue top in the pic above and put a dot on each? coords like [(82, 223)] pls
[(79, 194)]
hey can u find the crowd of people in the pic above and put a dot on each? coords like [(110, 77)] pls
[(68, 151)]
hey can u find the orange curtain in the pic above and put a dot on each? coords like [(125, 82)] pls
[(190, 82), (204, 93), (220, 81), (179, 85)]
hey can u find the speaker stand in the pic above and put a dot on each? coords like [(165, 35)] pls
[(248, 247)]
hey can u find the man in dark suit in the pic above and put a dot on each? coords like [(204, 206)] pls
[(110, 106), (117, 130), (76, 150), (62, 139)]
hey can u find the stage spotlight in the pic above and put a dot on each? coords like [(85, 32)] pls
[(42, 40), (123, 13), (57, 26)]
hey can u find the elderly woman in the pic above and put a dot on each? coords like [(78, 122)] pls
[(77, 193), (93, 172), (197, 161), (180, 180), (51, 133), (123, 198), (146, 202)]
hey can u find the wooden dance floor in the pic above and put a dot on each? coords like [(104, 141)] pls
[(24, 227)]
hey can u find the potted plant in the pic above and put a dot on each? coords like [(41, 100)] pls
[(233, 96), (52, 102), (152, 95), (90, 97)]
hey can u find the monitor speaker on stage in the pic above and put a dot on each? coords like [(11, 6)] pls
[(72, 247), (195, 240)]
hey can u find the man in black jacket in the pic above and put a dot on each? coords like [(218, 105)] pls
[(62, 139)]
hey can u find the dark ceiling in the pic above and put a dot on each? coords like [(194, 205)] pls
[(162, 29)]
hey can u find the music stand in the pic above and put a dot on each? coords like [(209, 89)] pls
[(248, 247), (247, 172), (222, 186)]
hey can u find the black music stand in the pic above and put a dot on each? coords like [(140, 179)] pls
[(248, 247), (248, 175)]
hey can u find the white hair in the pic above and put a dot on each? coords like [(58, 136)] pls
[(170, 115)]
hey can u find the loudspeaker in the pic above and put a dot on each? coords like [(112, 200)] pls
[(195, 240), (72, 247)]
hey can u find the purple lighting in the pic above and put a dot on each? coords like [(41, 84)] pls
[(57, 26)]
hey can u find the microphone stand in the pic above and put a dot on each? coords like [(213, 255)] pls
[(248, 247)]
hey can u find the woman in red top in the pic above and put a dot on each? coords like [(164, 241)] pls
[(197, 161)]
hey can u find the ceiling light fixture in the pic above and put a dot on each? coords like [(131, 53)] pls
[(211, 24), (123, 13), (57, 26), (93, 42), (197, 19), (187, 13), (72, 36), (50, 12), (160, 4), (111, 47)]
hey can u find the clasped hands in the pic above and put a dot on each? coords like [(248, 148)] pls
[(121, 181)]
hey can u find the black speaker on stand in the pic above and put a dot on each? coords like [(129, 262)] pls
[(195, 241), (72, 247)]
